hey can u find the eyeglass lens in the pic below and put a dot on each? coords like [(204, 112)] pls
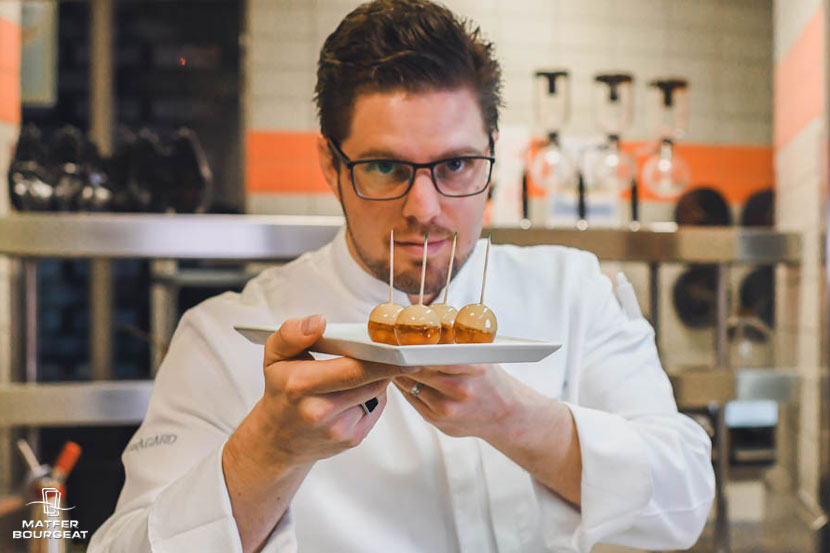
[(389, 179)]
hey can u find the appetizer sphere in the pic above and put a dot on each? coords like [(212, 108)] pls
[(475, 324), (417, 325), (382, 323), (446, 313)]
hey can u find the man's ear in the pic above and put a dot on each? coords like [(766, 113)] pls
[(328, 165)]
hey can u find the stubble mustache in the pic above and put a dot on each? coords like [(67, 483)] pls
[(410, 282)]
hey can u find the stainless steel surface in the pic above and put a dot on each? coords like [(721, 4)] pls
[(101, 84), (242, 237), (775, 384), (53, 544), (686, 245), (698, 388), (206, 278), (824, 360), (74, 404), (10, 316), (102, 95), (654, 299), (100, 332), (721, 317), (249, 237), (31, 302), (721, 477), (6, 454), (30, 316), (11, 358), (810, 513), (164, 308)]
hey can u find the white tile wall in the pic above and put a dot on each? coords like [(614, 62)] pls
[(790, 17), (8, 137), (10, 10), (801, 180), (795, 162), (282, 204), (723, 48), (267, 114), (294, 204)]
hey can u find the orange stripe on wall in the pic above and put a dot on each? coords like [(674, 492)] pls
[(283, 163), (9, 71), (799, 82), (736, 171), (280, 162)]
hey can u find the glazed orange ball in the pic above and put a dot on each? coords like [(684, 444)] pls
[(475, 324), (417, 325), (382, 323), (446, 313)]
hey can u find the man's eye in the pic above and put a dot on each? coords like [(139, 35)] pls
[(456, 165), (382, 167)]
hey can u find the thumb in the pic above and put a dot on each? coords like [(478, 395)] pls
[(293, 338)]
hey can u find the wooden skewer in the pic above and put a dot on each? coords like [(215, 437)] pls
[(449, 273), (424, 268), (391, 262), (486, 258)]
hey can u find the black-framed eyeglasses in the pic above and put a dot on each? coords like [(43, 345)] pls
[(391, 179)]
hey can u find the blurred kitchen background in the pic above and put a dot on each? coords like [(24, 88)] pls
[(204, 106)]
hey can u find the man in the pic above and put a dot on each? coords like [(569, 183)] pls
[(583, 447)]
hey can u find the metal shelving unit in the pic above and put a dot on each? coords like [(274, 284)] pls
[(167, 238)]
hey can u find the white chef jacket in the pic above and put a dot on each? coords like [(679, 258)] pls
[(647, 479)]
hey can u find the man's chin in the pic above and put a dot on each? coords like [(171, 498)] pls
[(413, 286)]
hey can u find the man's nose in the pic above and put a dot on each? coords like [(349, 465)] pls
[(423, 201)]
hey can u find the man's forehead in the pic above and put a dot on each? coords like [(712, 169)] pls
[(398, 119)]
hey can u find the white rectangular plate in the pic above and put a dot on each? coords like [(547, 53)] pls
[(352, 340)]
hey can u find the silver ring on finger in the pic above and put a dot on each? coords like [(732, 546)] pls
[(416, 389)]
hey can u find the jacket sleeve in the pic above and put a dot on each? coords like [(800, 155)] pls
[(647, 477), (175, 498)]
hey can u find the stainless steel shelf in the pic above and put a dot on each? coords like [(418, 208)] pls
[(667, 243), (125, 402), (241, 237), (698, 388), (251, 237), (75, 403)]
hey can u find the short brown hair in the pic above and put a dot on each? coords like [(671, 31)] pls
[(413, 45)]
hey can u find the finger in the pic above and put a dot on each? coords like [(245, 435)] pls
[(365, 424), (416, 402), (460, 369), (293, 338), (343, 427), (340, 373), (458, 387), (427, 396), (353, 425), (333, 404)]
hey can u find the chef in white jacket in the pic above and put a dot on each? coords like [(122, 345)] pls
[(243, 452)]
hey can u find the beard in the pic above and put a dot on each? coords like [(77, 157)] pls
[(410, 281)]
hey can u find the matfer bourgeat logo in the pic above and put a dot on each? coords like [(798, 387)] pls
[(51, 502), (52, 527)]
